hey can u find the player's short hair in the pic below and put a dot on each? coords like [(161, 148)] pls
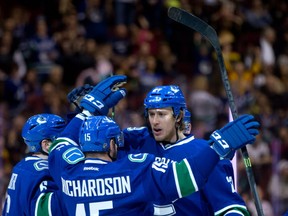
[(40, 127), (96, 133)]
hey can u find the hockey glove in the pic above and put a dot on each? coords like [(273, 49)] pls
[(234, 135), (77, 94), (104, 95)]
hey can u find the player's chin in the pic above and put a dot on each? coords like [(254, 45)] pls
[(158, 137)]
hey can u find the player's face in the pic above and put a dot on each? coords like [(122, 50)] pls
[(162, 124)]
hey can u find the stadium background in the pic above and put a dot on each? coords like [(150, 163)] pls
[(48, 47)]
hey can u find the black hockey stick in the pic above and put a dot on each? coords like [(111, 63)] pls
[(197, 24)]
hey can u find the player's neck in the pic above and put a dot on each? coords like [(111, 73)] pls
[(181, 136)]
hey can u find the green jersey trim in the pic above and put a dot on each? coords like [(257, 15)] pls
[(43, 205), (184, 178)]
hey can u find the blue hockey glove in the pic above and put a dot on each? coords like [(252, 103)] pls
[(234, 135), (77, 94), (104, 95)]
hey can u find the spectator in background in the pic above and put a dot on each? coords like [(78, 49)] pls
[(204, 106), (227, 17), (278, 187), (10, 54), (260, 153), (32, 91), (18, 23), (166, 61), (70, 27), (142, 34), (53, 100), (202, 55), (256, 15), (266, 204), (96, 20), (56, 77), (121, 43), (56, 80), (135, 95), (282, 66), (101, 69), (227, 40), (14, 141), (148, 74), (12, 70), (13, 89), (267, 40), (77, 52), (261, 158), (125, 12), (283, 137), (126, 116), (42, 49), (153, 13)]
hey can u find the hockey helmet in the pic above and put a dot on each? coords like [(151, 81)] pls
[(96, 133), (165, 96), (187, 121), (40, 127), (187, 116)]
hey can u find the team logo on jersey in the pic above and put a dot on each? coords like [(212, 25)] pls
[(73, 155), (41, 165), (138, 158)]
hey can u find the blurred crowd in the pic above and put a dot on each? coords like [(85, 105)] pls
[(49, 47)]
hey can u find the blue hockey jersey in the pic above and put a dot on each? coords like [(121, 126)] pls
[(218, 195), (29, 179), (126, 187)]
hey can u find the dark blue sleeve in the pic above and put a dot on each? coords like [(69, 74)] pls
[(186, 176), (220, 188), (72, 129), (134, 138), (139, 140)]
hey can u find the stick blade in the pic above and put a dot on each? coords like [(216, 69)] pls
[(187, 19)]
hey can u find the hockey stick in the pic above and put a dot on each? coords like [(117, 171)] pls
[(195, 23)]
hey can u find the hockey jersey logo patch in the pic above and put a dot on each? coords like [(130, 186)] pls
[(41, 165), (73, 155), (139, 158)]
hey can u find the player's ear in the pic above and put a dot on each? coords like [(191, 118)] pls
[(179, 117), (113, 150), (113, 146), (45, 144)]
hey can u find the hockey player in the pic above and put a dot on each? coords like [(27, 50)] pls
[(164, 137), (30, 178), (92, 184), (31, 190)]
